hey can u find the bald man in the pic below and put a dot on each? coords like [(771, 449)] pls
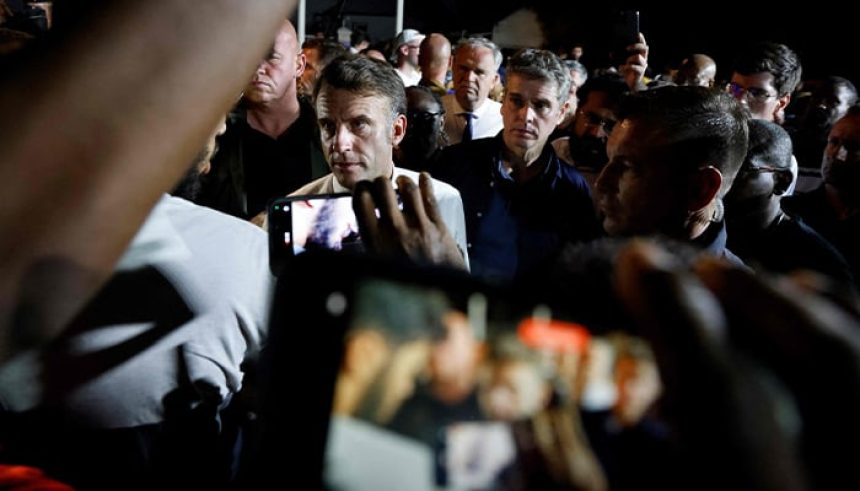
[(697, 70), (435, 61), (271, 146)]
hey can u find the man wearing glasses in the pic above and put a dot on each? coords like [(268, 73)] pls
[(765, 75)]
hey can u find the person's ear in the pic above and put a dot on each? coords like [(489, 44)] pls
[(781, 181), (779, 110), (704, 187), (301, 62), (563, 111), (398, 129)]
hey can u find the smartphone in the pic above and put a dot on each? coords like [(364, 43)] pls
[(624, 31), (298, 224)]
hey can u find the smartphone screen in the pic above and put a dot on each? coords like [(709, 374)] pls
[(302, 223)]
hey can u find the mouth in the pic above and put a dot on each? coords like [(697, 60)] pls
[(346, 166), (524, 132)]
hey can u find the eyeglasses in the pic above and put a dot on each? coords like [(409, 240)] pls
[(749, 93), (423, 116), (748, 170), (594, 120)]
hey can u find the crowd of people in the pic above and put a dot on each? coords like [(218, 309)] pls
[(700, 232)]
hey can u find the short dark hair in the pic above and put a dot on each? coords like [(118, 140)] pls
[(774, 58), (327, 49), (540, 64), (611, 84), (366, 77), (700, 125), (769, 143)]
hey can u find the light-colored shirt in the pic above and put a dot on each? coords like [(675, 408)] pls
[(486, 122)]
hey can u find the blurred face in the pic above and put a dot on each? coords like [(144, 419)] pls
[(276, 75), (411, 52), (474, 73), (757, 93), (841, 163), (592, 125), (531, 111), (457, 354), (637, 192), (514, 390), (357, 134), (828, 106), (426, 118), (752, 188), (311, 72)]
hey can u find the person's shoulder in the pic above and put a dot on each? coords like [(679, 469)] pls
[(441, 189), (321, 185), (182, 211)]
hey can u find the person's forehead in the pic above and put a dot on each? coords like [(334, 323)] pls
[(422, 102), (532, 87), (762, 80), (600, 102), (346, 101), (475, 54)]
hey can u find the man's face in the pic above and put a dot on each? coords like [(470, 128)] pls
[(474, 74), (753, 187), (426, 119), (757, 93), (357, 134), (531, 111), (276, 74), (637, 193), (841, 163), (827, 106), (311, 72), (592, 125), (411, 51)]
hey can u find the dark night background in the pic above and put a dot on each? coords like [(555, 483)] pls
[(822, 34)]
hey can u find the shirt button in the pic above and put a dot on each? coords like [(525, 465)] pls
[(469, 245), (492, 184), (479, 214)]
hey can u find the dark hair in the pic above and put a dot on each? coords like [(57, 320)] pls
[(770, 143), (327, 49), (366, 77), (358, 36), (701, 126), (610, 84), (402, 313), (539, 64), (774, 58)]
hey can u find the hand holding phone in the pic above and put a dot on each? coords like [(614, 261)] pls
[(625, 32)]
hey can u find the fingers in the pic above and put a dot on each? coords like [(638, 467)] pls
[(386, 201), (796, 332), (413, 203), (430, 206), (365, 214), (681, 319)]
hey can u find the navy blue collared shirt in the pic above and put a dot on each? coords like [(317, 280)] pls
[(514, 227)]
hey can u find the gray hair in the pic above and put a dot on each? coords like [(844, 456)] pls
[(366, 77), (481, 42), (540, 64)]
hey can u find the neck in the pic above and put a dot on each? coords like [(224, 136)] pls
[(522, 165), (841, 208), (275, 117), (471, 107)]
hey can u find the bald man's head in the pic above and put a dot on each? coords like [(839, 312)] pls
[(697, 70), (434, 57), (275, 77)]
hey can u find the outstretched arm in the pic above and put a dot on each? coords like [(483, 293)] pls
[(113, 114)]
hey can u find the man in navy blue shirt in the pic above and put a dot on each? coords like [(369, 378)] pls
[(521, 202)]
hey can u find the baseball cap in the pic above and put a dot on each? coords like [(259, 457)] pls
[(407, 36)]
